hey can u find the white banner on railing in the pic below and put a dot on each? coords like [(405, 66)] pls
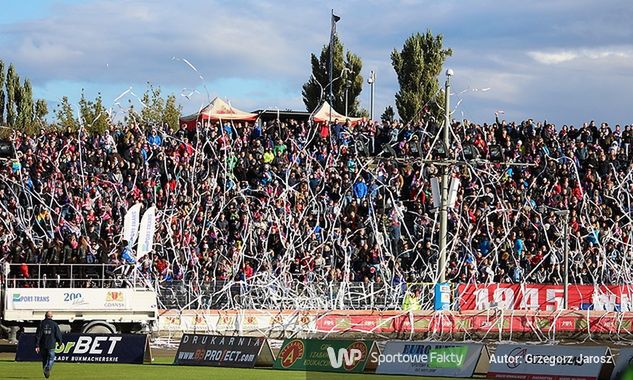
[(146, 235)]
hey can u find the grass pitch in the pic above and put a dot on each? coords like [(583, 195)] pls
[(163, 369)]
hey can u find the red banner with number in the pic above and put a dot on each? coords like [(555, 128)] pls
[(544, 297)]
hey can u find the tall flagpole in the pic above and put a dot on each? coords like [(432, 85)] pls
[(332, 32)]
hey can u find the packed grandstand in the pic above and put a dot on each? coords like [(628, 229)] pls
[(283, 206)]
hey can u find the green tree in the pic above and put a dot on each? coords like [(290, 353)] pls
[(362, 112), (158, 111), (19, 105), (418, 66), (65, 115), (346, 67), (171, 113), (388, 115), (154, 108), (25, 111), (11, 95), (94, 116), (41, 110), (2, 97)]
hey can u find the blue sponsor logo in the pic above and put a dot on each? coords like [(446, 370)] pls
[(20, 298)]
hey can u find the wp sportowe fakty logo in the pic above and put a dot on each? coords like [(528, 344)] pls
[(348, 357)]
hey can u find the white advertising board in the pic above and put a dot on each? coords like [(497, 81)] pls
[(431, 358), (70, 299)]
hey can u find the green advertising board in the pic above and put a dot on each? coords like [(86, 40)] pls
[(324, 355)]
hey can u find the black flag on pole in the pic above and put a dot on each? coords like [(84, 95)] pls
[(335, 19)]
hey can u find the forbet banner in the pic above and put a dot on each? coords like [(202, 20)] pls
[(552, 362), (325, 355), (431, 359), (89, 348), (223, 351)]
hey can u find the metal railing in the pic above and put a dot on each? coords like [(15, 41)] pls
[(73, 276), (251, 294)]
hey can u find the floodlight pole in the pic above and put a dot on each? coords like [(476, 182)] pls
[(441, 265), (371, 80), (564, 213), (346, 91), (566, 260), (332, 32)]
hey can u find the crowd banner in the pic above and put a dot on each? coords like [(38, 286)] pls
[(146, 233), (433, 359), (327, 355), (623, 364), (130, 224), (90, 348), (552, 362), (224, 351), (544, 297)]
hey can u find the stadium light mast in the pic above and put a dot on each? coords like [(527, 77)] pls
[(348, 84), (441, 266), (371, 81), (564, 213), (566, 260)]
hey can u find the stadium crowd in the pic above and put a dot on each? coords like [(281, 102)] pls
[(297, 203)]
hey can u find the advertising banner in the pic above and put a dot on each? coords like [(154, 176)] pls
[(550, 362), (432, 359), (442, 299), (544, 297), (223, 351), (89, 348), (326, 355), (68, 299)]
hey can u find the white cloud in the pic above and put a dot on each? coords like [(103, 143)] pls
[(561, 56), (552, 58)]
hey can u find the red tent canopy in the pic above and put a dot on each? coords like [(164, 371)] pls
[(217, 110), (322, 115)]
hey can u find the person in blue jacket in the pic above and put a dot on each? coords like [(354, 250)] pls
[(360, 188), (46, 336)]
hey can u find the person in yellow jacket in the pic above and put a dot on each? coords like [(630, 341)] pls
[(412, 300), (268, 157)]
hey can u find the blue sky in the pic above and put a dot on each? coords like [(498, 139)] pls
[(566, 61)]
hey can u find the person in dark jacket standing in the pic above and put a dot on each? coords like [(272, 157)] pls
[(47, 335)]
